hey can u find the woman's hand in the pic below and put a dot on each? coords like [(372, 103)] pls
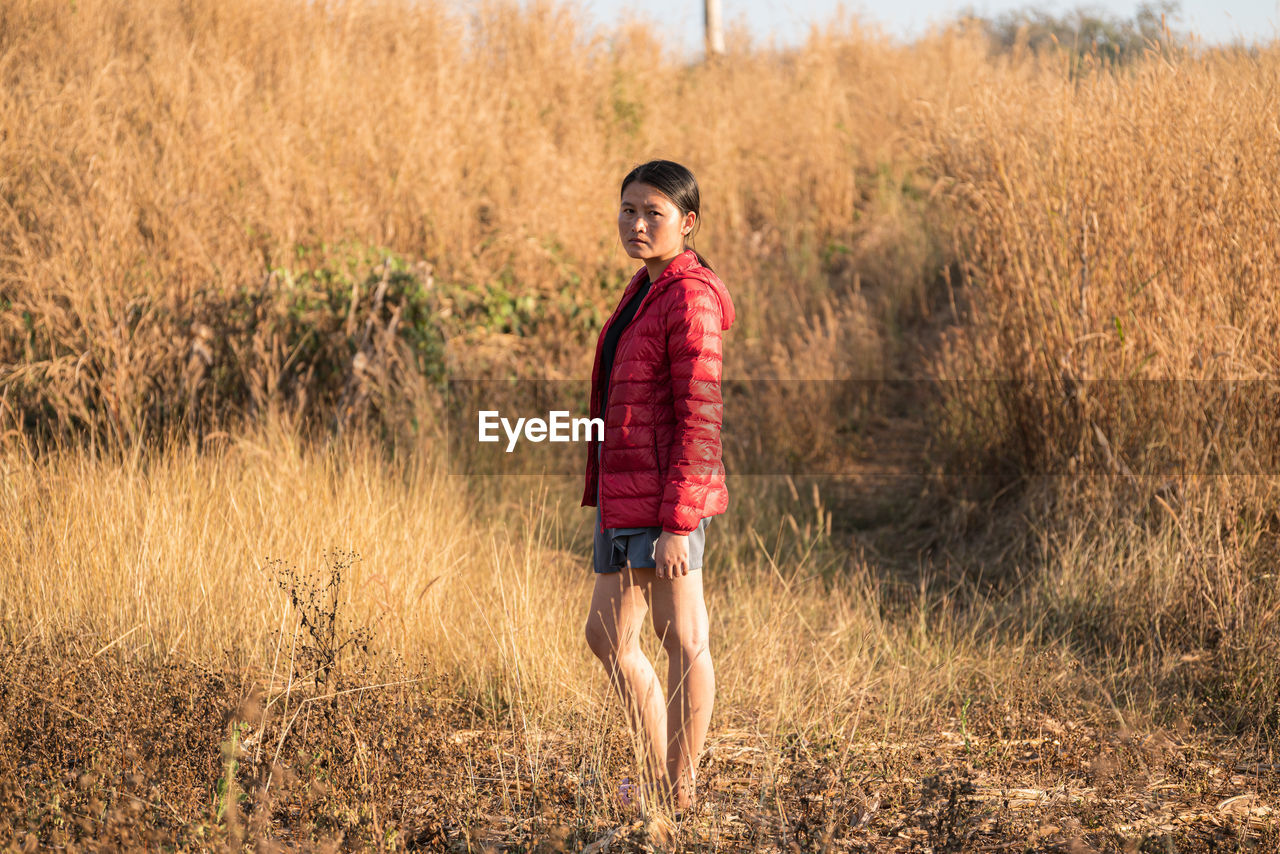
[(671, 554)]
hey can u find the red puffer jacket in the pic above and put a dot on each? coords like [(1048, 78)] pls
[(661, 459)]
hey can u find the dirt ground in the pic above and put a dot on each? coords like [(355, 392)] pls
[(99, 752)]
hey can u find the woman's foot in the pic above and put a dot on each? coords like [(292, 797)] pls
[(682, 795), (660, 829)]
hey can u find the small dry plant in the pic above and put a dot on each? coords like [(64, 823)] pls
[(331, 637)]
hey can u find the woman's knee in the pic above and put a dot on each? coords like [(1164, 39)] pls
[(604, 639), (598, 639), (687, 642)]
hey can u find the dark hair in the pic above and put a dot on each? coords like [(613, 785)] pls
[(677, 184)]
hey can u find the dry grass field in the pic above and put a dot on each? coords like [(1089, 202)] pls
[(247, 600)]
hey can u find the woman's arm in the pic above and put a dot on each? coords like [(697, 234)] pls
[(694, 327)]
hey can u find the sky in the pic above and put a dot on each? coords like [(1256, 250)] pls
[(1215, 21)]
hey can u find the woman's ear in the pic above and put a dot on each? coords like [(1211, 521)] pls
[(690, 220)]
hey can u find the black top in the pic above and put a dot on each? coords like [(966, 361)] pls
[(611, 342)]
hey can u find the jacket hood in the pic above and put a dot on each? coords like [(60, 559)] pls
[(722, 293), (686, 265)]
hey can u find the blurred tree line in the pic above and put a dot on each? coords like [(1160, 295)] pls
[(1085, 31)]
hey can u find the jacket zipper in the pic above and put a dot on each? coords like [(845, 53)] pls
[(600, 447)]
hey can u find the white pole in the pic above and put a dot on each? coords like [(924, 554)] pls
[(715, 31)]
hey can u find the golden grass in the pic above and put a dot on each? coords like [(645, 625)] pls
[(1121, 221), (187, 188), (173, 174), (180, 556), (160, 162)]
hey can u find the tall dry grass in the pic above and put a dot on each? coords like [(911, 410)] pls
[(1119, 232), (203, 203), (193, 555), (199, 198)]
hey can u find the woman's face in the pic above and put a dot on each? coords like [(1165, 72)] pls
[(650, 225)]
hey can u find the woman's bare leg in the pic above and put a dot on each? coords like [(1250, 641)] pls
[(613, 632), (680, 619)]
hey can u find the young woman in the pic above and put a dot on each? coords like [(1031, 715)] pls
[(657, 477)]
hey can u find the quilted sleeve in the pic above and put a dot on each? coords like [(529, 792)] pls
[(694, 353)]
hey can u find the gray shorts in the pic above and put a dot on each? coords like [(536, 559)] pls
[(616, 547)]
